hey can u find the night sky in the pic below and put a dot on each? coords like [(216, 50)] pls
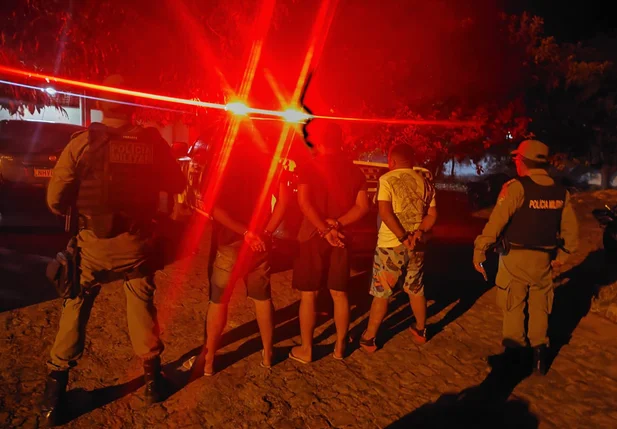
[(569, 21)]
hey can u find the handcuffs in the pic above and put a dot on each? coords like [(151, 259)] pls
[(336, 226), (405, 236)]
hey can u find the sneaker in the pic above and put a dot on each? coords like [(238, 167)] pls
[(418, 336)]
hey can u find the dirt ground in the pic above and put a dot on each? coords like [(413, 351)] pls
[(452, 380)]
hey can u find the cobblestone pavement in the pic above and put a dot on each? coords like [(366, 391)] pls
[(447, 382)]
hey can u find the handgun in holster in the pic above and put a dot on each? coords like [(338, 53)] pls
[(63, 271), (502, 246)]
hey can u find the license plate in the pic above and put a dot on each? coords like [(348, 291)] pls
[(42, 172)]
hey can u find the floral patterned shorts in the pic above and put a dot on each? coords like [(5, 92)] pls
[(392, 265)]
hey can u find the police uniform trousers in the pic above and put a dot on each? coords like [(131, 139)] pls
[(525, 284), (102, 260)]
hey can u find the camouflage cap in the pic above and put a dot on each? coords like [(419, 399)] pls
[(533, 150)]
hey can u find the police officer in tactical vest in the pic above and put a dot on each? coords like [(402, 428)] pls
[(112, 174), (536, 229)]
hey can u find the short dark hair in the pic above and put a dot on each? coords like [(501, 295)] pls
[(531, 164), (402, 151)]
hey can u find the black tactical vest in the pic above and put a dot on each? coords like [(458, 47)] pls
[(118, 182), (537, 223)]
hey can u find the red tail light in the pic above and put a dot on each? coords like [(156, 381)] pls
[(53, 158)]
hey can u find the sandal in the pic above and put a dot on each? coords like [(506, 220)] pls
[(418, 336), (368, 345), (188, 365), (297, 359)]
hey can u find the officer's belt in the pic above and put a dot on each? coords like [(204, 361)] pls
[(514, 246), (106, 276)]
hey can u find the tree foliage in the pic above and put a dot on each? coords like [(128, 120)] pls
[(442, 60), (177, 48)]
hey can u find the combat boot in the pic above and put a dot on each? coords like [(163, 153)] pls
[(154, 381), (53, 399), (514, 362), (540, 365)]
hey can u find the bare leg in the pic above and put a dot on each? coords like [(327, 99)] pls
[(341, 320), (215, 324), (264, 312), (307, 326), (379, 309), (418, 307)]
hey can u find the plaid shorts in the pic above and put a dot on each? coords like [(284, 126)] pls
[(391, 264)]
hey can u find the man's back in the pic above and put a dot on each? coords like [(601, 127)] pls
[(242, 185), (411, 195), (334, 182)]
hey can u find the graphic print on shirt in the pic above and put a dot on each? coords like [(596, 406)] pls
[(410, 203)]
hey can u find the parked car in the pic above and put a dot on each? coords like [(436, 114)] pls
[(484, 192), (28, 152), (607, 218)]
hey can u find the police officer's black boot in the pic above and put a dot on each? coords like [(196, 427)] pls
[(540, 365), (53, 399), (154, 381)]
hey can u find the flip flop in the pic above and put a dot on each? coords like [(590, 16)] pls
[(337, 357), (188, 365), (297, 359)]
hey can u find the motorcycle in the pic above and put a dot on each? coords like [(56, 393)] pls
[(607, 218)]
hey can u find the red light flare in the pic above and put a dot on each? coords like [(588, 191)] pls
[(111, 89), (263, 25), (276, 89), (264, 21), (395, 121), (213, 181), (290, 114), (196, 36), (319, 34)]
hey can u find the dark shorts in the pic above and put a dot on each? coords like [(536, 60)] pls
[(318, 265), (227, 271)]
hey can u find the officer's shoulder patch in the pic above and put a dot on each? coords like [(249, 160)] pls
[(77, 134), (504, 190)]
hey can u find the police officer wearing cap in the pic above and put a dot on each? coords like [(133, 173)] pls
[(535, 229), (112, 174)]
